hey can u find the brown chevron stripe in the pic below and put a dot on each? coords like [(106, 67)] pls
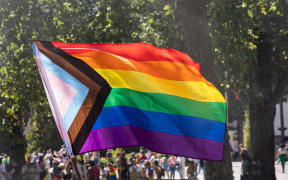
[(82, 115)]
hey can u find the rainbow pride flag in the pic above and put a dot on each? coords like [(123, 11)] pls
[(118, 95)]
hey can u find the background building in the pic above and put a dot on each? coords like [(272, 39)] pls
[(277, 121)]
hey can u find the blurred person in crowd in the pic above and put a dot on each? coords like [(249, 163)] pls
[(158, 158), (133, 169), (11, 169), (148, 155), (277, 147), (41, 165), (246, 162), (48, 158), (153, 156), (82, 169), (142, 169), (63, 156), (86, 158), (34, 157), (124, 169), (35, 171), (55, 153), (172, 162), (6, 160), (104, 172), (63, 149), (158, 169), (93, 171), (95, 157), (112, 171), (242, 147), (149, 170), (191, 170), (67, 170), (79, 167), (282, 156), (142, 154), (196, 164), (3, 173), (109, 155), (200, 166), (165, 165), (133, 155), (27, 170), (55, 173), (179, 166), (118, 164)]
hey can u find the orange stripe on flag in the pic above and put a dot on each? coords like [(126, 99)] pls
[(161, 69)]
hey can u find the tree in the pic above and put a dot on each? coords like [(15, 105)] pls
[(250, 42), (192, 19), (24, 109)]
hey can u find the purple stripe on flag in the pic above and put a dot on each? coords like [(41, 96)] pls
[(124, 136)]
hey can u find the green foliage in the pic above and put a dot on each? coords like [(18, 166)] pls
[(23, 103), (236, 26), (237, 29), (246, 131)]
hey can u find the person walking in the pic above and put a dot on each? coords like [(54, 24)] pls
[(94, 171), (282, 156), (172, 162), (180, 166), (165, 166), (191, 170), (133, 169), (200, 166), (149, 170), (123, 169), (11, 169), (158, 169), (3, 172), (246, 164), (104, 173)]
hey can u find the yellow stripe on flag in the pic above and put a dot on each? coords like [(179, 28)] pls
[(194, 90)]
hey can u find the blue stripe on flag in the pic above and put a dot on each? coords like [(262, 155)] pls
[(161, 122)]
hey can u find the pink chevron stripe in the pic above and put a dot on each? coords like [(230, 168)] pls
[(63, 92)]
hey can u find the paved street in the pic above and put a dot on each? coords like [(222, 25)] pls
[(237, 172)]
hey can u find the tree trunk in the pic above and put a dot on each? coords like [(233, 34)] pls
[(262, 138), (262, 111), (220, 170), (17, 149), (192, 21)]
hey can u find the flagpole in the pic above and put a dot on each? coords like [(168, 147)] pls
[(76, 168)]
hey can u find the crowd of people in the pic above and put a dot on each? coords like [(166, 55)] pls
[(117, 165), (114, 165)]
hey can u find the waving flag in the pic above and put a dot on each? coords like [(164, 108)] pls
[(117, 95)]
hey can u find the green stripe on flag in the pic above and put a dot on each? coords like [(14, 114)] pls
[(167, 104)]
